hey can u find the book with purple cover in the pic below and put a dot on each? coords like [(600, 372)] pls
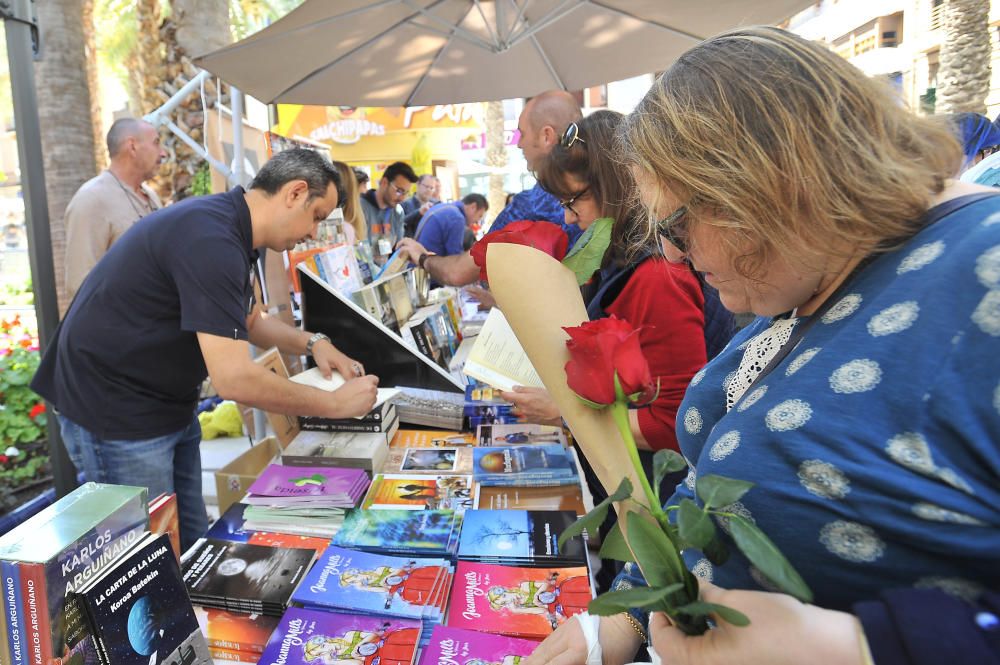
[(296, 485), (455, 645)]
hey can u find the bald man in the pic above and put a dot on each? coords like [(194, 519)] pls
[(542, 124), (109, 204)]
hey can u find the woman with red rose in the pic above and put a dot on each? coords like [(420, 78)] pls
[(863, 402)]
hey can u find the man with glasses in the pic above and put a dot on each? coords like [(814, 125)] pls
[(383, 210), (544, 122)]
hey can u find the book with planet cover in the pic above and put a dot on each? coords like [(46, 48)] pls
[(139, 612)]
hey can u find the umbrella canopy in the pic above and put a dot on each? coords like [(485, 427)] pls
[(423, 52)]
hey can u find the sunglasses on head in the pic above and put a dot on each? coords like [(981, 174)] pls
[(673, 230), (568, 203), (571, 136)]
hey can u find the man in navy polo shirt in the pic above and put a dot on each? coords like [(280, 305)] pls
[(173, 302), (442, 229)]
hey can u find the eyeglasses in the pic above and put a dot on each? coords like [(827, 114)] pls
[(571, 136), (673, 230), (401, 191), (568, 203)]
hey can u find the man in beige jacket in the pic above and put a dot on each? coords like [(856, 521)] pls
[(109, 204)]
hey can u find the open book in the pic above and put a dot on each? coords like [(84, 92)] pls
[(497, 358), (313, 377)]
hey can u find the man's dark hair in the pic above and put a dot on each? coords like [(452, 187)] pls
[(298, 164), (397, 169), (360, 176), (477, 200), (122, 129)]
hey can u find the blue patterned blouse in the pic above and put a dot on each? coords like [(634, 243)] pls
[(875, 444), (536, 204)]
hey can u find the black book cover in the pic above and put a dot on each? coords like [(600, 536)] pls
[(380, 413), (244, 575), (315, 424), (140, 613), (527, 537)]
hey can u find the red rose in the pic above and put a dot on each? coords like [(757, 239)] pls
[(4, 459), (544, 236), (600, 349), (36, 410)]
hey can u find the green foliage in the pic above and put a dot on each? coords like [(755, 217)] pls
[(202, 183), (615, 547), (694, 525), (719, 492), (592, 520), (616, 602), (768, 559), (16, 425), (18, 295), (664, 462)]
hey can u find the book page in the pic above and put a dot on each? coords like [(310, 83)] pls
[(497, 358), (315, 379)]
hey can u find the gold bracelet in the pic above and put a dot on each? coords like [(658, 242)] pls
[(636, 626)]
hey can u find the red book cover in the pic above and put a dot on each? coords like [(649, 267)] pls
[(247, 633), (36, 613), (288, 540), (163, 518), (517, 601)]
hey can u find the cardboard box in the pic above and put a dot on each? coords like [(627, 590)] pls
[(233, 480)]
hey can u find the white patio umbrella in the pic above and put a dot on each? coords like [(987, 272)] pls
[(423, 52)]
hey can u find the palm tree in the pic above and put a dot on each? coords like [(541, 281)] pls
[(67, 134), (496, 159), (964, 73)]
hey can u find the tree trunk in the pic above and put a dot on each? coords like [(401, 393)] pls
[(93, 83), (496, 159), (964, 73), (195, 27), (67, 134)]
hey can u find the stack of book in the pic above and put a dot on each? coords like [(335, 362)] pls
[(517, 601), (520, 538), (378, 585), (525, 466), (307, 501), (432, 331), (308, 637), (428, 438), (419, 492), (52, 555), (387, 300), (136, 611), (355, 450), (557, 497), (430, 408), (421, 532), (383, 418), (231, 526), (512, 434), (455, 645), (240, 577), (484, 406), (234, 636), (441, 461)]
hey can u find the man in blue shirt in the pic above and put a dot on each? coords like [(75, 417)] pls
[(542, 124), (171, 303), (442, 229)]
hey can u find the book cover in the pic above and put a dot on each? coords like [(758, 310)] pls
[(517, 601), (512, 434), (74, 539), (531, 536), (140, 613), (429, 460), (247, 633), (315, 424), (343, 449), (538, 461), (13, 618), (230, 656), (456, 646), (419, 492), (373, 583), (416, 531), (310, 637), (164, 518), (230, 526), (383, 411), (244, 577), (34, 614), (560, 497), (304, 483), (315, 379), (417, 438)]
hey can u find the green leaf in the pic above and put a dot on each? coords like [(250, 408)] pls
[(664, 462), (585, 258), (615, 547), (768, 559), (699, 608), (716, 551), (718, 491), (657, 557), (592, 520), (615, 602), (694, 525)]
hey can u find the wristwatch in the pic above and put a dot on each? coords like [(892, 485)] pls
[(312, 341), (422, 260)]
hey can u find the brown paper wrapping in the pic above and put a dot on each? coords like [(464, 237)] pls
[(539, 296)]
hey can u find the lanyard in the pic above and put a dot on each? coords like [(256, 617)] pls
[(932, 216)]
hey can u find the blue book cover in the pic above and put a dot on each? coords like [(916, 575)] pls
[(537, 461), (229, 526), (373, 583), (310, 637), (13, 617), (519, 535), (399, 530)]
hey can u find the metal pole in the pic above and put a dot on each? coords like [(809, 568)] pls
[(239, 175), (19, 24)]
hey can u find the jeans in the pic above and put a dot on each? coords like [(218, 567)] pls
[(164, 464)]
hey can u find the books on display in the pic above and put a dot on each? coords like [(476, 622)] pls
[(449, 646), (400, 531), (440, 461), (557, 497), (517, 601), (305, 486), (535, 465), (235, 631), (314, 378), (520, 537), (512, 434), (231, 526), (498, 359), (419, 492), (361, 450), (423, 438)]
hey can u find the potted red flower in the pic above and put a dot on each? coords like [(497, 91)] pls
[(608, 371)]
